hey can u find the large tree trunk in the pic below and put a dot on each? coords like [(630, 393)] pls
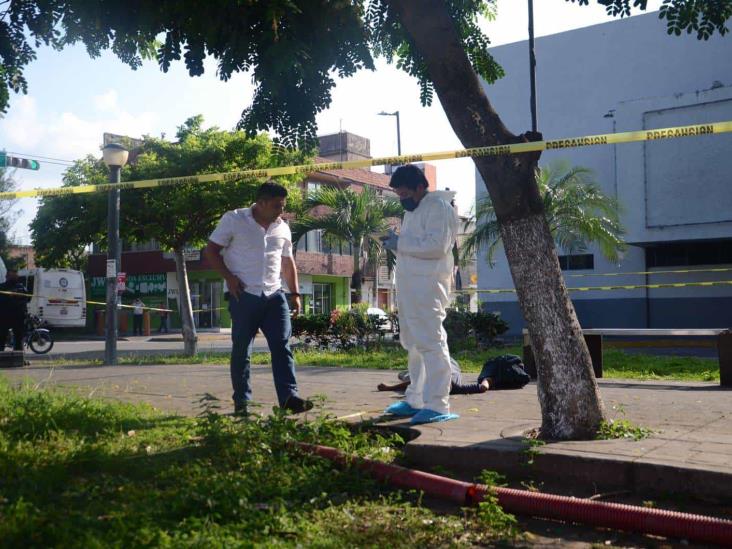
[(190, 339), (570, 401), (357, 277)]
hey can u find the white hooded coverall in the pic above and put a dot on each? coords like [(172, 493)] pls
[(423, 276)]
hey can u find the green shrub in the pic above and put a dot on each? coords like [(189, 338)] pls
[(341, 330), (466, 329)]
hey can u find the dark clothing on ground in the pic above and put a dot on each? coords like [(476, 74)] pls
[(464, 388), (457, 387)]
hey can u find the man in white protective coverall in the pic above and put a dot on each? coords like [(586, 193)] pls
[(423, 277)]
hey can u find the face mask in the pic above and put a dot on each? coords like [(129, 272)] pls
[(409, 204)]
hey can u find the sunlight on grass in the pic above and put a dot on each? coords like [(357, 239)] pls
[(81, 472), (617, 364)]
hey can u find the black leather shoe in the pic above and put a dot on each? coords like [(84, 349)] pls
[(240, 409), (297, 405)]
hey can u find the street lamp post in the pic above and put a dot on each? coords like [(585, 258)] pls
[(115, 156), (399, 135)]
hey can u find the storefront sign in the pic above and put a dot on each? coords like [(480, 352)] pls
[(139, 284), (121, 280)]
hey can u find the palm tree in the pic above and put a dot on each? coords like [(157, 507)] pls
[(577, 210), (349, 216)]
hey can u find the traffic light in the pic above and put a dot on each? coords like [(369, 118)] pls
[(8, 161)]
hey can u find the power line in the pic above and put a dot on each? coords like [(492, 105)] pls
[(46, 158)]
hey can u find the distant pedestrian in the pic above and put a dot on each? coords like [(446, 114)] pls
[(163, 322), (252, 249), (137, 314), (13, 309)]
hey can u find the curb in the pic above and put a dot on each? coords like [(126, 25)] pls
[(511, 459)]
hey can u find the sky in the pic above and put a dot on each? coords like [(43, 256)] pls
[(73, 99)]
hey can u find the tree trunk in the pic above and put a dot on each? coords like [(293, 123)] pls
[(570, 401), (190, 339), (357, 277), (376, 281)]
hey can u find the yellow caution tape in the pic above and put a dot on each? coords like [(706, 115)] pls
[(207, 310), (131, 307), (497, 150), (74, 301), (606, 288), (676, 271)]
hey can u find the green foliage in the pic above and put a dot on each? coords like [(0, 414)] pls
[(178, 216), (704, 18), (577, 210), (190, 212), (65, 225), (479, 329), (532, 449), (619, 364), (621, 428), (391, 41), (293, 48), (341, 330), (490, 513), (313, 330), (347, 216), (80, 472), (616, 364), (7, 213)]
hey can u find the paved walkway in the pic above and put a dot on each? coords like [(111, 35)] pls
[(689, 452)]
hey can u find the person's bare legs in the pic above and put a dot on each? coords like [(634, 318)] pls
[(397, 387)]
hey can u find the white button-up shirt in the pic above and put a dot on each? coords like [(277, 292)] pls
[(252, 253)]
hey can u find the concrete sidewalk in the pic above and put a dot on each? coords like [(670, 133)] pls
[(689, 452)]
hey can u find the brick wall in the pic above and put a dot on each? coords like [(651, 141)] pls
[(315, 263)]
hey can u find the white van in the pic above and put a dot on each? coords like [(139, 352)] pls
[(59, 296)]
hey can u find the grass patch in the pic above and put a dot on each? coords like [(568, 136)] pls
[(622, 428), (81, 472), (616, 363)]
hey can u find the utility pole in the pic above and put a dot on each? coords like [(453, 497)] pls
[(532, 67), (399, 133), (115, 156)]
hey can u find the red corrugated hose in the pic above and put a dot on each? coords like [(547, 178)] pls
[(596, 513)]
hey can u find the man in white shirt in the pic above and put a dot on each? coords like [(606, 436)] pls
[(251, 248), (423, 277), (137, 314)]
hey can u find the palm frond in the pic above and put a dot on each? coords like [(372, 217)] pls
[(577, 211)]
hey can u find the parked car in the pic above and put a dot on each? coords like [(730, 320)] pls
[(382, 316)]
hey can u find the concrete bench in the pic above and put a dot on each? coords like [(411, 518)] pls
[(593, 338)]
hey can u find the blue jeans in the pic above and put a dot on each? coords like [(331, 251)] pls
[(271, 314)]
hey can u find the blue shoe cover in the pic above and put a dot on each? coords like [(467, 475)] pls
[(401, 408), (430, 416)]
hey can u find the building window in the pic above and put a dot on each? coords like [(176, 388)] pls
[(313, 187), (314, 242), (689, 253), (577, 262), (322, 298)]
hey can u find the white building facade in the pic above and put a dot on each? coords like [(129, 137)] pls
[(676, 195)]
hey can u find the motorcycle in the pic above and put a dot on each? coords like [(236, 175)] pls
[(37, 335)]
